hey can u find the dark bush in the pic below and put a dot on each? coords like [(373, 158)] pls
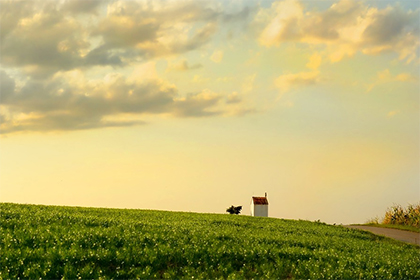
[(234, 210)]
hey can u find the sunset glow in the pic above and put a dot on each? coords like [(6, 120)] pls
[(199, 105)]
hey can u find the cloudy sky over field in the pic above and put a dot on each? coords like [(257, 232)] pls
[(198, 105)]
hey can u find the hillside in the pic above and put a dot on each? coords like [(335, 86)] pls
[(71, 242)]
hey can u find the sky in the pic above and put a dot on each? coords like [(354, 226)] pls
[(199, 105)]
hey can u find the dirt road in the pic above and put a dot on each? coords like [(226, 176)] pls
[(402, 235)]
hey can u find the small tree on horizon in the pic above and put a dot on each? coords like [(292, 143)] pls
[(234, 210)]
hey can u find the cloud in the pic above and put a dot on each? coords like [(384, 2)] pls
[(43, 37), (176, 44), (217, 56), (282, 26), (156, 28), (327, 25), (385, 76), (389, 24), (393, 29), (393, 113), (404, 77), (233, 98), (184, 66), (248, 83), (58, 52), (242, 15), (102, 56), (198, 104), (345, 28), (200, 80), (314, 61), (288, 81), (70, 101), (11, 13), (7, 86), (120, 30), (42, 43), (82, 7)]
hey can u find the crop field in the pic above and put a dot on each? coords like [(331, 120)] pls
[(52, 242)]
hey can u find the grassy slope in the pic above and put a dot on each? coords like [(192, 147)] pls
[(69, 242)]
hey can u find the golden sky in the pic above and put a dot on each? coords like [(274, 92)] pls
[(197, 105)]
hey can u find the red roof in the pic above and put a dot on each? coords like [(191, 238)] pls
[(260, 200)]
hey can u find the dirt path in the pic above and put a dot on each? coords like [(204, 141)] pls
[(402, 235)]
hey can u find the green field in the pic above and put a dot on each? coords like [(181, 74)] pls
[(83, 243)]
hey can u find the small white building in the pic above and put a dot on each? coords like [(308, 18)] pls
[(259, 206)]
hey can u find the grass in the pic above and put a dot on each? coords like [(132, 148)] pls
[(398, 217), (400, 227), (53, 242)]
